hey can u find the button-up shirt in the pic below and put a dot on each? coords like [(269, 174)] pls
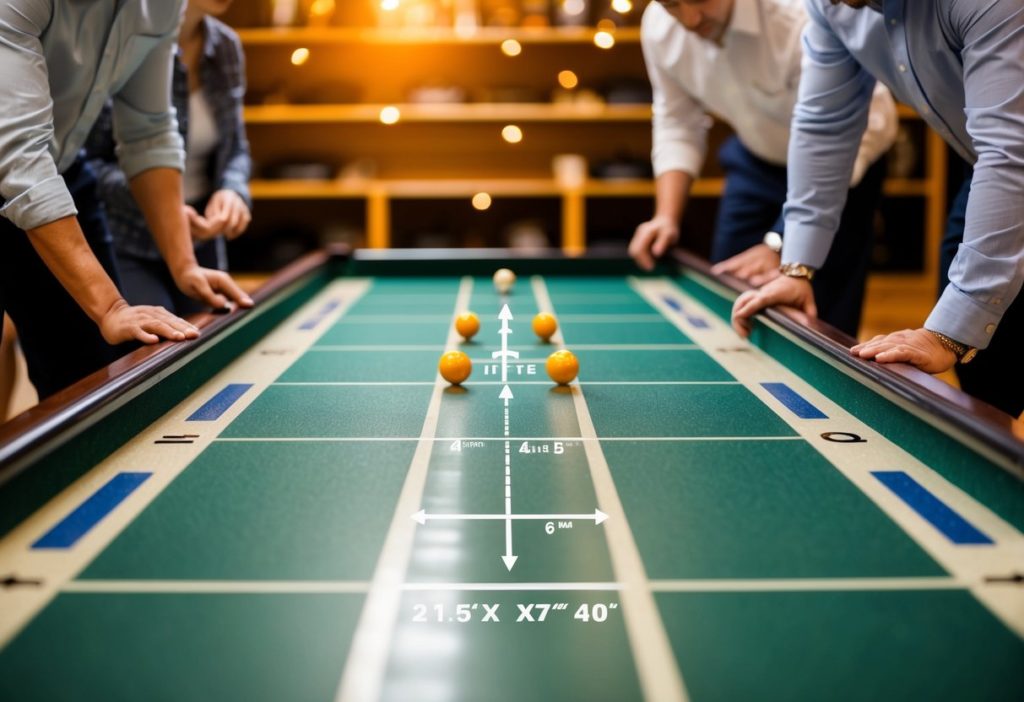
[(960, 65), (222, 80), (62, 60), (750, 82)]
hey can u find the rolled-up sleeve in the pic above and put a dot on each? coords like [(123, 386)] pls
[(828, 123), (987, 273), (33, 191), (145, 126), (680, 124)]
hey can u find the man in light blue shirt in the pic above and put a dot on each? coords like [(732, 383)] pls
[(62, 60), (961, 66)]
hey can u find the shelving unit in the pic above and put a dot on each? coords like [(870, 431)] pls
[(327, 111)]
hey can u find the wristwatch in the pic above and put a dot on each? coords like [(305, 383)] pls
[(796, 270), (773, 240), (963, 352)]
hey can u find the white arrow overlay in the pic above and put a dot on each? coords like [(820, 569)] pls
[(423, 517), (505, 316)]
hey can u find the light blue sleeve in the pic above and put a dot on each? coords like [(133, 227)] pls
[(33, 191), (145, 126), (988, 271), (828, 122)]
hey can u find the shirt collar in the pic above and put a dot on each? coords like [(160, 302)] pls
[(745, 17)]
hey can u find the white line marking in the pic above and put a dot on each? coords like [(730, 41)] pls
[(808, 585), (164, 462), (412, 383), (343, 439), (364, 671), (218, 586), (655, 663), (346, 348)]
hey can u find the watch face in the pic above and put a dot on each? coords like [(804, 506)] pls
[(773, 241)]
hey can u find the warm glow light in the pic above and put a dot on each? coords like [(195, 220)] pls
[(300, 56), (604, 40), (511, 47), (482, 201), (568, 80), (622, 6), (390, 114), (606, 24), (512, 134), (321, 8), (388, 5), (573, 7)]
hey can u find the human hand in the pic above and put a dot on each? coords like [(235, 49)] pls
[(228, 206), (200, 227), (213, 287), (783, 290), (757, 265), (918, 347), (124, 322), (652, 239)]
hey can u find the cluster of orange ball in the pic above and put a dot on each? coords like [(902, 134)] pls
[(455, 366)]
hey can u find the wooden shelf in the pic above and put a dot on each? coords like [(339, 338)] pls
[(276, 36), (448, 113), (906, 187)]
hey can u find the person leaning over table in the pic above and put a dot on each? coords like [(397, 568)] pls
[(62, 59), (207, 91), (740, 60), (961, 66)]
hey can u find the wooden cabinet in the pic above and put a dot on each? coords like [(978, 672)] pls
[(383, 135)]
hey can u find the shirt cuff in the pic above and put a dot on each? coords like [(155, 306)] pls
[(963, 319), (677, 157), (45, 202), (806, 245), (164, 151)]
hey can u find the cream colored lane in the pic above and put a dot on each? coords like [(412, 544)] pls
[(363, 676), (56, 567), (969, 564), (659, 674)]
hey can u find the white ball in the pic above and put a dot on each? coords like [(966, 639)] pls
[(504, 279)]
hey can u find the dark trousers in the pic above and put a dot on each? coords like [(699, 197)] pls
[(147, 281), (61, 344), (995, 375), (751, 205)]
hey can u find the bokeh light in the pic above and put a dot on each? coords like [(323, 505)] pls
[(390, 114), (481, 201), (568, 80), (511, 47), (604, 40), (512, 134), (300, 56)]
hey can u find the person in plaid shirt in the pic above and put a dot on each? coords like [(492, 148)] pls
[(208, 87)]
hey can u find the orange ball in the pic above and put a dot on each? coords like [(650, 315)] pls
[(562, 366), (455, 366), (467, 325), (544, 325)]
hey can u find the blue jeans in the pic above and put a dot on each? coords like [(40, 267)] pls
[(995, 374), (61, 344), (751, 205)]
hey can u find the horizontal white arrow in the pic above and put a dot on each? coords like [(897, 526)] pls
[(597, 515)]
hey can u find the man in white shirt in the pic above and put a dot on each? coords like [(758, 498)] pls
[(740, 61)]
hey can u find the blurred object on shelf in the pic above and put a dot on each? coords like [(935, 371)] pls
[(578, 96), (284, 13), (623, 167), (321, 13), (466, 16), (569, 170), (509, 94), (358, 171), (526, 235), (299, 170), (341, 233), (572, 13), (536, 13), (628, 91), (500, 13), (438, 95)]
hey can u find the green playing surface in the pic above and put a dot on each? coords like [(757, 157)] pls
[(772, 574)]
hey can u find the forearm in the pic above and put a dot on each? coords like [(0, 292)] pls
[(672, 190), (158, 193), (64, 250)]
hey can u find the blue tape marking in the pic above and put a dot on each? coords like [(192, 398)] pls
[(673, 303), (219, 403), (935, 511), (88, 514), (313, 321), (796, 404), (698, 322)]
